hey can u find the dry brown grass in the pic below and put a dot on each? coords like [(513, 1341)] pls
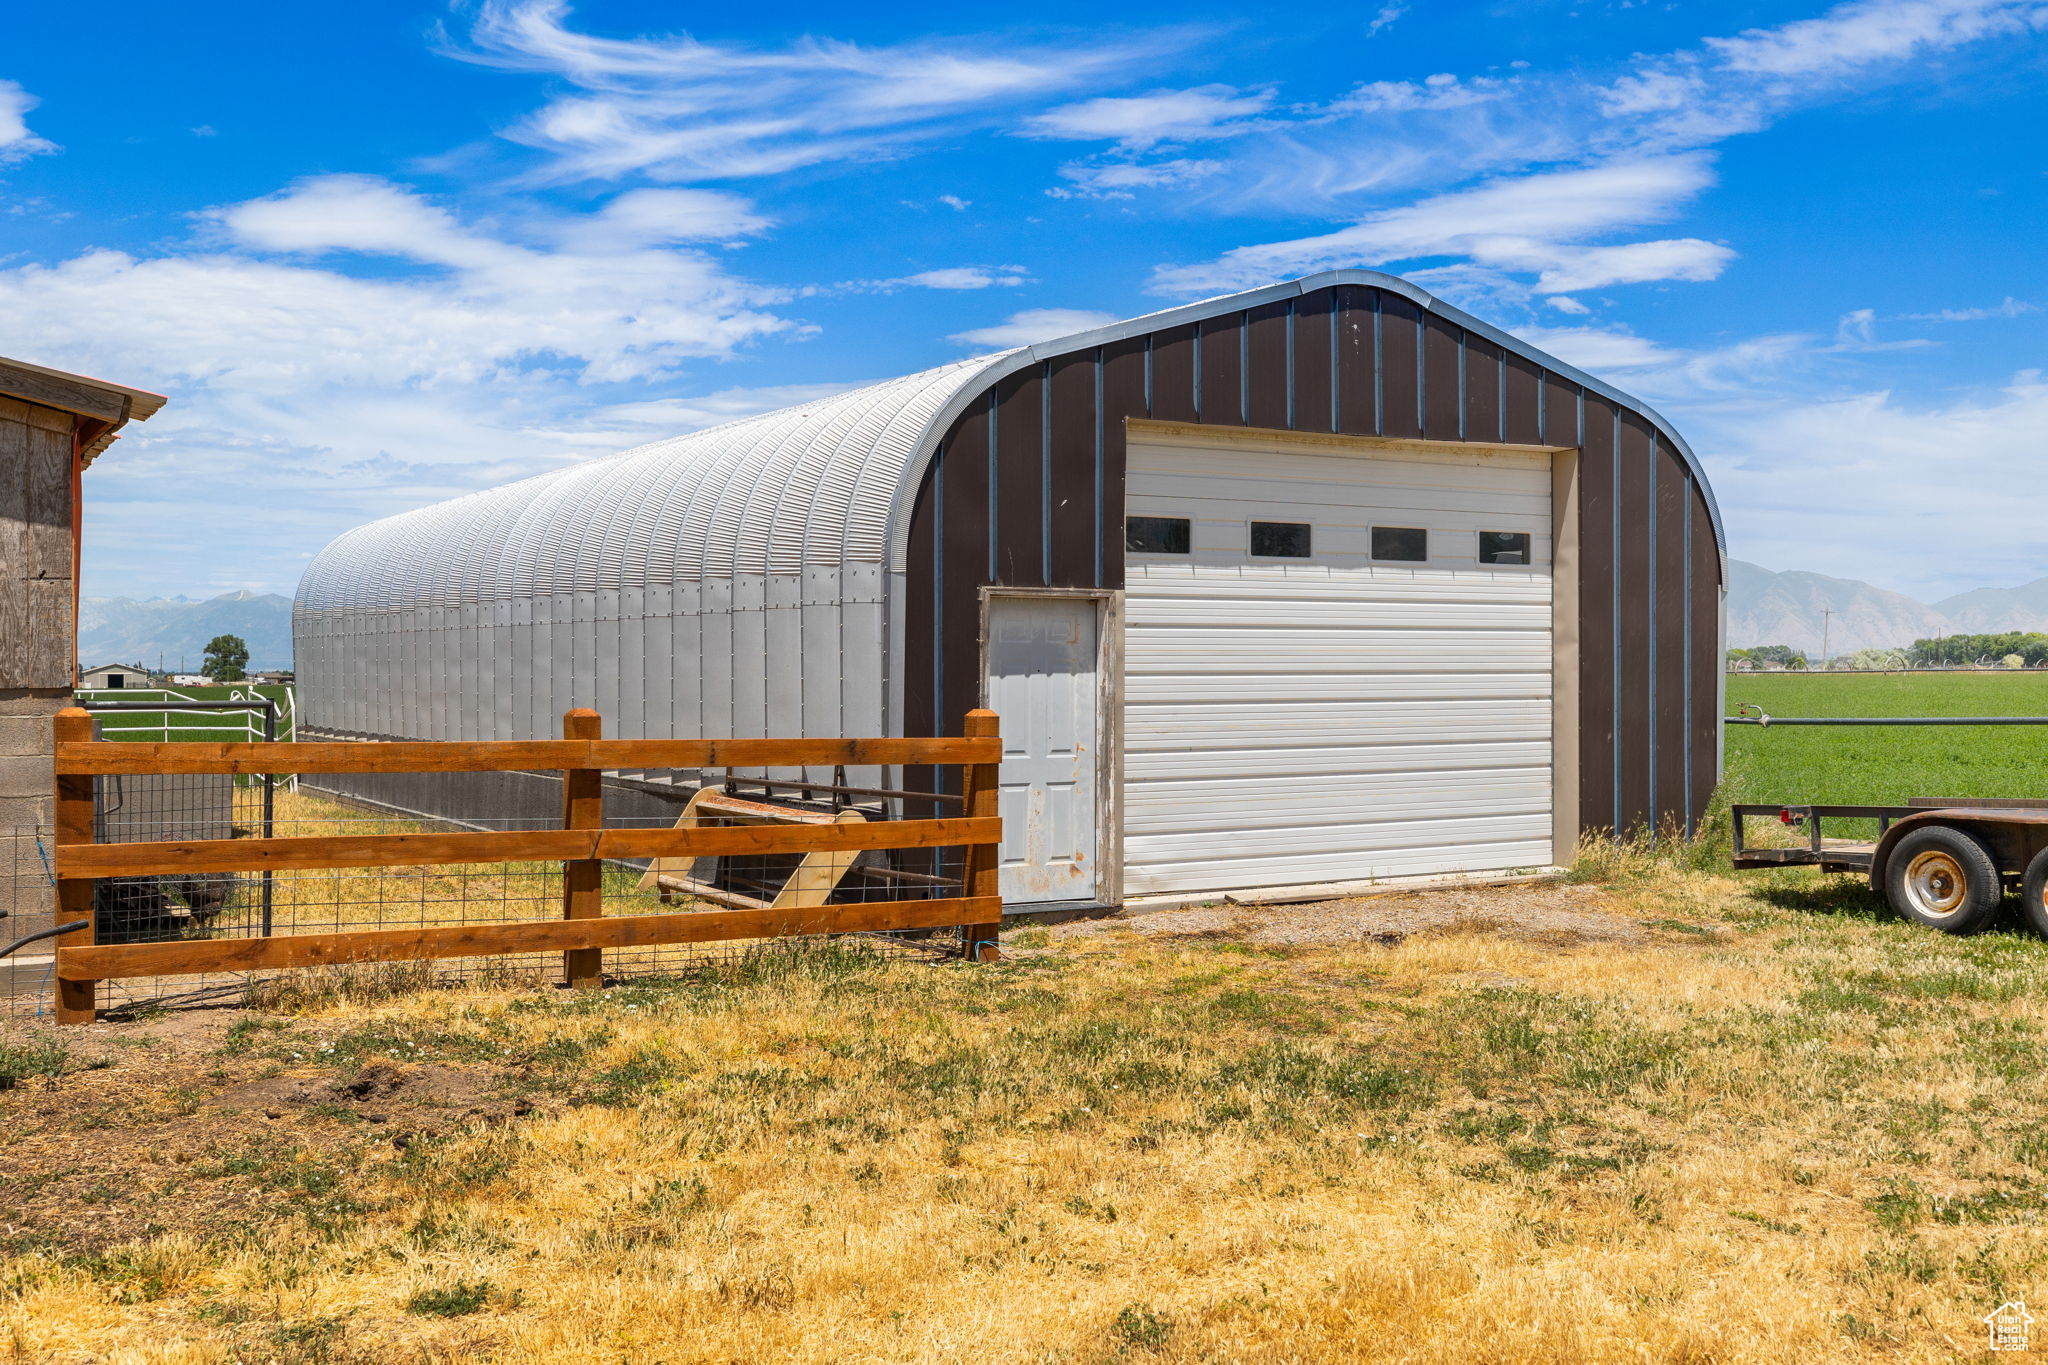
[(1776, 1127)]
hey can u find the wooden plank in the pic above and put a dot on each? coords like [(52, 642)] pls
[(49, 650), (77, 999), (53, 392), (410, 756), (583, 878), (193, 956), (49, 513), (308, 852), (982, 877)]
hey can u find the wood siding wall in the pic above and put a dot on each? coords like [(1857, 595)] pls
[(37, 640), (1027, 490)]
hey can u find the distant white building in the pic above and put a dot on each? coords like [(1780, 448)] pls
[(190, 680), (114, 675)]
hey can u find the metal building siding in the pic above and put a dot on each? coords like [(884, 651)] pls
[(725, 582), (1355, 359)]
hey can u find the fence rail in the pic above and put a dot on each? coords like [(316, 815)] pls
[(582, 846)]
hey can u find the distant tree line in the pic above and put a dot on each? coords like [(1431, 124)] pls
[(2005, 649)]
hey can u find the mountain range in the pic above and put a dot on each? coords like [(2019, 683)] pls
[(1767, 608), (172, 632), (1764, 608)]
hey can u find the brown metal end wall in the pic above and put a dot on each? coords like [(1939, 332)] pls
[(1027, 489)]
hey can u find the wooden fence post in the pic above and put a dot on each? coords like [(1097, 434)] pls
[(583, 878), (77, 1001), (980, 877)]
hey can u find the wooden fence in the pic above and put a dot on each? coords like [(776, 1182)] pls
[(582, 845)]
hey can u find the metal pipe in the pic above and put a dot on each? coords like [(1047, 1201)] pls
[(42, 934), (1885, 720), (269, 805)]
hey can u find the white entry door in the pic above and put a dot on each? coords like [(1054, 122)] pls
[(1042, 682)]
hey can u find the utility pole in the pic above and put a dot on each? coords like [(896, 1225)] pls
[(1826, 614)]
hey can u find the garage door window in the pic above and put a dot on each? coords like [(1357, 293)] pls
[(1156, 535), (1503, 547), (1280, 539), (1410, 543)]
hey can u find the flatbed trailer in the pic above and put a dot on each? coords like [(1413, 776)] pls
[(1943, 863)]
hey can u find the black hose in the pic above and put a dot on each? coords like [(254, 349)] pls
[(27, 939)]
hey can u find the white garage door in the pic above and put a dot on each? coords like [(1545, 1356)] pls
[(1321, 712)]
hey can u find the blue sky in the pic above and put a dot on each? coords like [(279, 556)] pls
[(387, 254)]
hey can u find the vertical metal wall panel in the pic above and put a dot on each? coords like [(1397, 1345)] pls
[(919, 660), (1443, 401), (1357, 394), (468, 716), (1484, 380), (1314, 361), (505, 682), (1597, 585), (1634, 567), (1706, 604), (1669, 735), (1521, 405), (1400, 368), (539, 666), (1221, 343), (1019, 493), (1122, 397), (1072, 468), (582, 609), (785, 662), (964, 504), (1173, 374), (1268, 394), (687, 664), (720, 659), (750, 655)]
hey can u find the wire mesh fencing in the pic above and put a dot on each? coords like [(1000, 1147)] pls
[(213, 906)]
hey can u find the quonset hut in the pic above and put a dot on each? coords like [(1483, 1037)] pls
[(1323, 582)]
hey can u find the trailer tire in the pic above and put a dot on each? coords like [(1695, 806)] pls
[(2034, 894), (1943, 878)]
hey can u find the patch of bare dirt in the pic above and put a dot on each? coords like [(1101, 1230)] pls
[(1546, 912), (162, 1131)]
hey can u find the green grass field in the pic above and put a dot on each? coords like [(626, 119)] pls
[(1880, 765), (222, 725)]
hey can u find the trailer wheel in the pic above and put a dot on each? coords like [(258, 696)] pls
[(1941, 877), (2034, 894)]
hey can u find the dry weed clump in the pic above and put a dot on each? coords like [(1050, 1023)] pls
[(1773, 1126)]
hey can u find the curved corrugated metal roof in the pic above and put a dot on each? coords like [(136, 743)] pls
[(804, 487), (822, 484)]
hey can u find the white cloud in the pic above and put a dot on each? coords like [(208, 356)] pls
[(659, 217), (1441, 91), (16, 141), (1137, 123), (1598, 350), (1915, 496), (1121, 179), (959, 277), (1565, 303), (1033, 325), (676, 109), (1535, 222), (1854, 36), (954, 202), (1384, 19), (2010, 308)]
